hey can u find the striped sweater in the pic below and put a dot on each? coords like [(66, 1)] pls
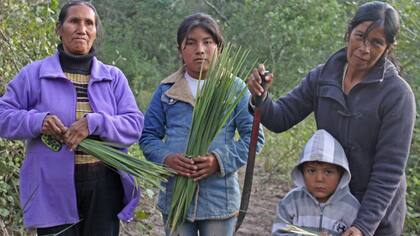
[(77, 69), (80, 83)]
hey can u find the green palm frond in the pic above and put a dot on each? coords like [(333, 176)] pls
[(149, 172), (296, 230)]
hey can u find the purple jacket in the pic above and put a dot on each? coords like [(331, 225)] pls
[(47, 188)]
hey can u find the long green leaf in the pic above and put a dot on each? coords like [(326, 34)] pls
[(142, 170)]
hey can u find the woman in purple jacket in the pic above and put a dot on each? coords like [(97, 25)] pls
[(71, 95), (359, 97)]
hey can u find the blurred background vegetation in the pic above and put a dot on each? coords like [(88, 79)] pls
[(291, 37)]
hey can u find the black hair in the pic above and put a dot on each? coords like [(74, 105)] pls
[(382, 15), (200, 20), (65, 9)]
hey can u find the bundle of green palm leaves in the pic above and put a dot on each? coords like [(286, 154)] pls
[(215, 103), (297, 230), (141, 169), (290, 228)]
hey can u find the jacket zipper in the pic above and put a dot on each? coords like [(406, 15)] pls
[(320, 219), (74, 101), (92, 104)]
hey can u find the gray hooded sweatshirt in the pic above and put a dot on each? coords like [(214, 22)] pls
[(302, 209)]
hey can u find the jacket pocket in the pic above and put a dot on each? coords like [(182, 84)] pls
[(29, 182), (167, 102), (177, 118)]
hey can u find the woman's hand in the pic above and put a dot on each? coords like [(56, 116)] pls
[(254, 81), (52, 125), (206, 165), (324, 233), (182, 165), (352, 231), (76, 133)]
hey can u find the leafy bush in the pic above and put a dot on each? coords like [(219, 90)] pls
[(26, 34), (412, 223), (11, 158)]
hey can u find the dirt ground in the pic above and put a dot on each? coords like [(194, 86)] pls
[(267, 190)]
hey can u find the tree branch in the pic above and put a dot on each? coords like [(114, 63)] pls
[(224, 18), (3, 229), (5, 39)]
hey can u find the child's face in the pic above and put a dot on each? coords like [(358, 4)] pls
[(321, 179)]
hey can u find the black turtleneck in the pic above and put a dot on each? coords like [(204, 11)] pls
[(75, 64)]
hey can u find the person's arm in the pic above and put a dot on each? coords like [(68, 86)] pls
[(352, 231), (18, 119), (288, 110), (283, 217), (233, 155), (126, 126), (392, 150), (151, 140)]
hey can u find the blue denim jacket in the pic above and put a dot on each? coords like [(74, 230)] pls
[(166, 129)]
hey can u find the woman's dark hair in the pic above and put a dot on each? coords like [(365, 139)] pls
[(200, 20), (382, 15), (65, 9)]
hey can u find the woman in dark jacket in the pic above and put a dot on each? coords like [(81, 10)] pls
[(359, 97)]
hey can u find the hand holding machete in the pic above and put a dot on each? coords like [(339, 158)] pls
[(258, 83)]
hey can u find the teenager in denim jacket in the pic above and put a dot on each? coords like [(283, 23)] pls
[(216, 201)]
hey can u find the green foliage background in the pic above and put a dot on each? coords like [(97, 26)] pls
[(291, 37), (19, 46)]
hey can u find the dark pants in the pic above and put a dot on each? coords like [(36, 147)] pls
[(99, 199)]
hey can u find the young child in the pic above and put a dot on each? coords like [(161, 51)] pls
[(322, 200)]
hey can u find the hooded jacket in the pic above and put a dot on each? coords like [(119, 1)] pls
[(301, 208)]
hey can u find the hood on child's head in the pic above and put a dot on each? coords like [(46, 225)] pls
[(323, 147)]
